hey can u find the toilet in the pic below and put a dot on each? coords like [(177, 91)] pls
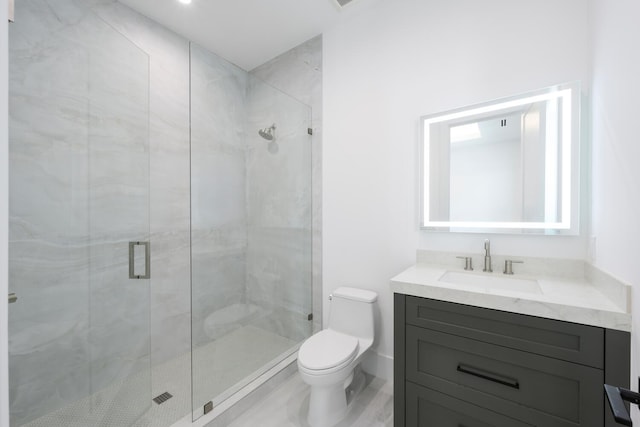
[(328, 359)]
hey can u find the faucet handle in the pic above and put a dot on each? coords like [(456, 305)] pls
[(468, 262), (508, 265)]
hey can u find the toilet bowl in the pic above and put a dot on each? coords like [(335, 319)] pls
[(328, 359)]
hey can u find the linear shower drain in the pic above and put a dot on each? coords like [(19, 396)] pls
[(160, 399)]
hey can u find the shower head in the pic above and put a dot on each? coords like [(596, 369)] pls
[(268, 133)]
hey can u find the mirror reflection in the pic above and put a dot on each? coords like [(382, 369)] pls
[(510, 165)]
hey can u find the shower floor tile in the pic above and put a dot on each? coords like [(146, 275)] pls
[(217, 367)]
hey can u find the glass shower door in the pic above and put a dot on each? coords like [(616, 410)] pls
[(250, 228), (79, 331), (119, 231)]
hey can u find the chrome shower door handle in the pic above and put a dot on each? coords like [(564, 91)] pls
[(132, 260)]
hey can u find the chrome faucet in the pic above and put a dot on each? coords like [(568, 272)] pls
[(487, 256)]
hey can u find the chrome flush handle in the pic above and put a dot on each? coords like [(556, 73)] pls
[(12, 298)]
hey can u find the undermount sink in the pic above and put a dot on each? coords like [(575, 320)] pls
[(491, 281)]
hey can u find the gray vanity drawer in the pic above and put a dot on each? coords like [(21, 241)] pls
[(540, 390), (561, 340), (428, 408)]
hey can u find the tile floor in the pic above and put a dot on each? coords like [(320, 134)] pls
[(286, 406)]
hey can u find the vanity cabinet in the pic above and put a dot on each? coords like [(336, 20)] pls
[(460, 365)]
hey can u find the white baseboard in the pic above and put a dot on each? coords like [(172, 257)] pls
[(379, 365)]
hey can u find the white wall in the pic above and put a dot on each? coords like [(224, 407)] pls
[(407, 58), (4, 214), (616, 148)]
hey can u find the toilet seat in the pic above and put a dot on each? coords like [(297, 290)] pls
[(327, 351)]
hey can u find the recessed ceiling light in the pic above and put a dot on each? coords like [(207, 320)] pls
[(185, 1)]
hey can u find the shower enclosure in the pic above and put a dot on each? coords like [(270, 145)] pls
[(159, 245)]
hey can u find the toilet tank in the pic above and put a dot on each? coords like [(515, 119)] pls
[(351, 312)]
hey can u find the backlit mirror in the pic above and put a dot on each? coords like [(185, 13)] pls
[(510, 165)]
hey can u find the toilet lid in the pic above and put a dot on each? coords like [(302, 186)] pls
[(327, 349)]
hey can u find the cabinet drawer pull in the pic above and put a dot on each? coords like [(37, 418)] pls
[(481, 373)]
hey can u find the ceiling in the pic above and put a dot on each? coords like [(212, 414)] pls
[(248, 32)]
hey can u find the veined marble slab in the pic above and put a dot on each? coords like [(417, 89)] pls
[(572, 295)]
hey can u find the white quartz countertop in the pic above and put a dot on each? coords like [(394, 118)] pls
[(571, 299)]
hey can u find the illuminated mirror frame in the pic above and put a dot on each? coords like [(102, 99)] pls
[(569, 93)]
